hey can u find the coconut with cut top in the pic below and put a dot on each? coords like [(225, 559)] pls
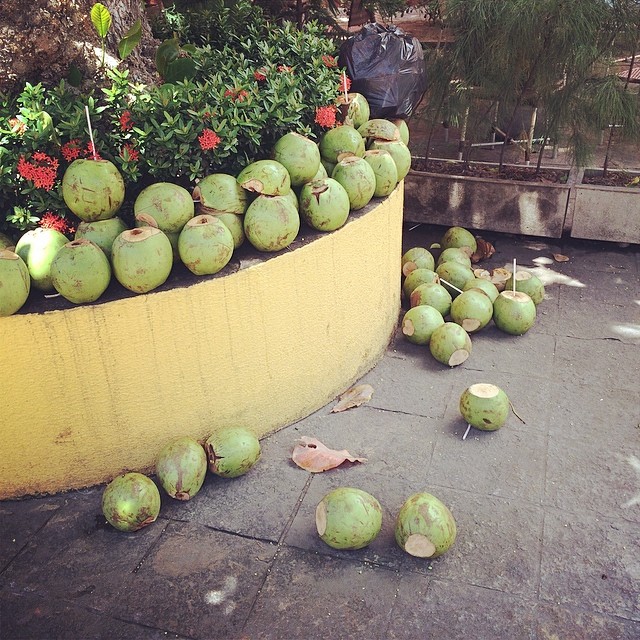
[(484, 406)]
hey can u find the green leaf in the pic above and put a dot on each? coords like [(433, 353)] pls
[(130, 40), (101, 19)]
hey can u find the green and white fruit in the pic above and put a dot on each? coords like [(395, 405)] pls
[(450, 344), (181, 467), (454, 254), (293, 199), (235, 223), (231, 452), (15, 282), (472, 310), (220, 193), (271, 223), (434, 295), (425, 527), (101, 232), (416, 278), (348, 518), (485, 285), (358, 179), (324, 204), (131, 502), (419, 323), (455, 274), (403, 128), (484, 406), (321, 172), (399, 152), (299, 155), (385, 171), (205, 245), (379, 129), (514, 312), (93, 189), (267, 177), (142, 259), (80, 272), (529, 284), (458, 237), (38, 248), (417, 258), (339, 140), (170, 205), (357, 109)]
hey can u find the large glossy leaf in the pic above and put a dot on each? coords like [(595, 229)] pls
[(130, 40), (101, 19)]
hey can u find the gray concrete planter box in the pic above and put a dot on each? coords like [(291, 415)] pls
[(605, 213), (529, 208)]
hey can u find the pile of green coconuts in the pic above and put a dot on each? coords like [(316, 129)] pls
[(318, 183)]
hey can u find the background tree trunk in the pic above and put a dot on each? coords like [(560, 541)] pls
[(43, 39)]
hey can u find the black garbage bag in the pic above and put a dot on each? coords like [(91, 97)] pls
[(387, 67)]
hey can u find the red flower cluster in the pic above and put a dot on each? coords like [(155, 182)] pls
[(283, 68), (41, 170), (52, 220), (126, 123), (17, 126), (91, 152), (326, 116), (236, 94), (329, 61), (260, 74), (345, 84), (208, 139), (129, 153), (71, 150)]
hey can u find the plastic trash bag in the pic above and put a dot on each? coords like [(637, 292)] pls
[(387, 67)]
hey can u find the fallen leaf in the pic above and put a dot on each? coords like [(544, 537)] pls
[(485, 250), (310, 454), (558, 257), (354, 397)]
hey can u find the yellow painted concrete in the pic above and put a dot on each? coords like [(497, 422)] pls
[(90, 392)]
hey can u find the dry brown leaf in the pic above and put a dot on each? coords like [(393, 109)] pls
[(354, 397), (558, 257), (482, 273), (310, 454), (485, 250)]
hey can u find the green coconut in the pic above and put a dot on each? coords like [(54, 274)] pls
[(220, 193), (170, 205), (403, 128), (101, 232), (458, 237), (232, 451), (205, 245), (341, 139), (454, 254), (299, 155), (267, 177), (432, 294), (419, 323), (456, 274), (235, 223), (484, 406), (514, 312), (425, 527), (80, 272), (379, 129), (130, 502), (356, 107), (417, 258), (142, 259), (472, 310), (416, 278), (15, 282), (93, 189), (38, 248), (181, 467), (293, 199), (357, 177), (450, 344), (385, 171), (6, 242), (529, 284), (484, 285), (321, 172), (271, 223), (348, 518), (324, 204), (399, 152)]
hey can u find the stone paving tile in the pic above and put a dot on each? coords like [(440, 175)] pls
[(620, 286), (573, 624), (609, 363), (197, 582), (311, 596), (457, 611), (601, 256), (30, 617), (611, 482), (591, 563)]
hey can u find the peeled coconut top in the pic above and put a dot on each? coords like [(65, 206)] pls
[(484, 390)]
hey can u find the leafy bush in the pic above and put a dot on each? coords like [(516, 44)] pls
[(241, 99)]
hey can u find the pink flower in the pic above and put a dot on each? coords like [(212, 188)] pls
[(329, 61), (283, 68), (126, 123), (208, 139), (260, 74)]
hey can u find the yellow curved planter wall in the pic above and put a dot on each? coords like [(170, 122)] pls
[(92, 391)]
